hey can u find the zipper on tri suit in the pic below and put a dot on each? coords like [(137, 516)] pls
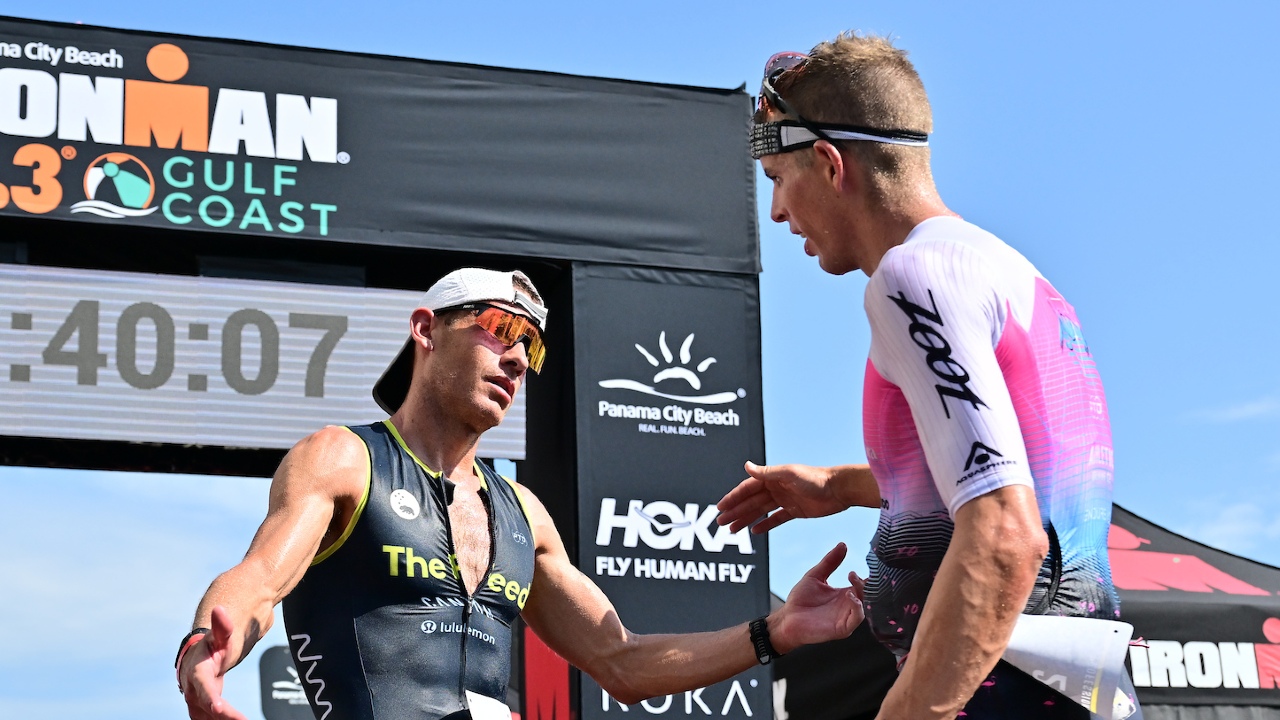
[(466, 630), (462, 585)]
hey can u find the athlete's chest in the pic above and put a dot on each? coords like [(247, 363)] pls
[(470, 526), (438, 542), (432, 539)]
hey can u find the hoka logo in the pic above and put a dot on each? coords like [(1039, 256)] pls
[(664, 525), (316, 702)]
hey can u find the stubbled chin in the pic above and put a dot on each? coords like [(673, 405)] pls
[(489, 415)]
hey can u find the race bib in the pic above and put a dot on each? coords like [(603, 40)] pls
[(486, 708)]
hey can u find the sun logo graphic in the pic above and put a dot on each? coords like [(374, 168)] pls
[(673, 372), (117, 185)]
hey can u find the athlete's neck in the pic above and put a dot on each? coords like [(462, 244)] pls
[(444, 445), (890, 226)]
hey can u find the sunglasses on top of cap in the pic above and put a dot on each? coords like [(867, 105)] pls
[(509, 328)]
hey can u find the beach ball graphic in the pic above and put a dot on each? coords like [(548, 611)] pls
[(117, 185)]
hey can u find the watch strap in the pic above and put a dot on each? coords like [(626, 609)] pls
[(190, 639), (759, 631)]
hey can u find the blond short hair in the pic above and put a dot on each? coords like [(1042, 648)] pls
[(864, 80)]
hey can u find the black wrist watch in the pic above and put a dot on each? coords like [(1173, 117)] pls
[(759, 629)]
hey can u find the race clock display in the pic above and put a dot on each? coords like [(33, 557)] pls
[(195, 360)]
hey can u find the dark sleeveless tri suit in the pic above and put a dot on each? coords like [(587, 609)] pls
[(381, 626)]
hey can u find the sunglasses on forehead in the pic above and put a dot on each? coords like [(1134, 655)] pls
[(509, 328), (796, 133)]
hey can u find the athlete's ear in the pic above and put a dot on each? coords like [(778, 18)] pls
[(832, 164), (422, 323)]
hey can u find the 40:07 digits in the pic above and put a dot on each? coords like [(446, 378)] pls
[(75, 344)]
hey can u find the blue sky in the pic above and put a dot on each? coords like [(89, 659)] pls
[(1127, 149)]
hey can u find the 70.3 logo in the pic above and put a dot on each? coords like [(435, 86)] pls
[(76, 344), (45, 191)]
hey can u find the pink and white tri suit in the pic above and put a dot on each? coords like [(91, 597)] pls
[(979, 378)]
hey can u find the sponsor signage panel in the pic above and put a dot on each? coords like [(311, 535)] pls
[(1210, 621), (101, 355), (187, 133), (281, 687), (1225, 656), (668, 384)]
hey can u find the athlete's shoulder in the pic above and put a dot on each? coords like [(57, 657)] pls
[(545, 534), (956, 259), (938, 256), (942, 244), (533, 506), (335, 442), (333, 458)]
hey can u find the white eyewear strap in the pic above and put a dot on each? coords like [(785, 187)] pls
[(772, 138)]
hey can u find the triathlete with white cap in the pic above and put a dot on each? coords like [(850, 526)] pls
[(403, 561), (984, 418)]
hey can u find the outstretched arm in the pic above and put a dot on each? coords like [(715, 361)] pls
[(571, 614), (325, 471), (774, 494)]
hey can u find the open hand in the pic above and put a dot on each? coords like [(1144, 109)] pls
[(815, 611), (202, 670), (774, 494)]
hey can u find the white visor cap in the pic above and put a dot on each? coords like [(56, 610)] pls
[(472, 285), (460, 287)]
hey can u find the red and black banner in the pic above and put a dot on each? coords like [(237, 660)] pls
[(1210, 621)]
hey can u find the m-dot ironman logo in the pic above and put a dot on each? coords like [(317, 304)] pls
[(264, 192), (166, 113)]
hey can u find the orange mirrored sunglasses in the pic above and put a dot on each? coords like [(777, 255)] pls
[(510, 328)]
